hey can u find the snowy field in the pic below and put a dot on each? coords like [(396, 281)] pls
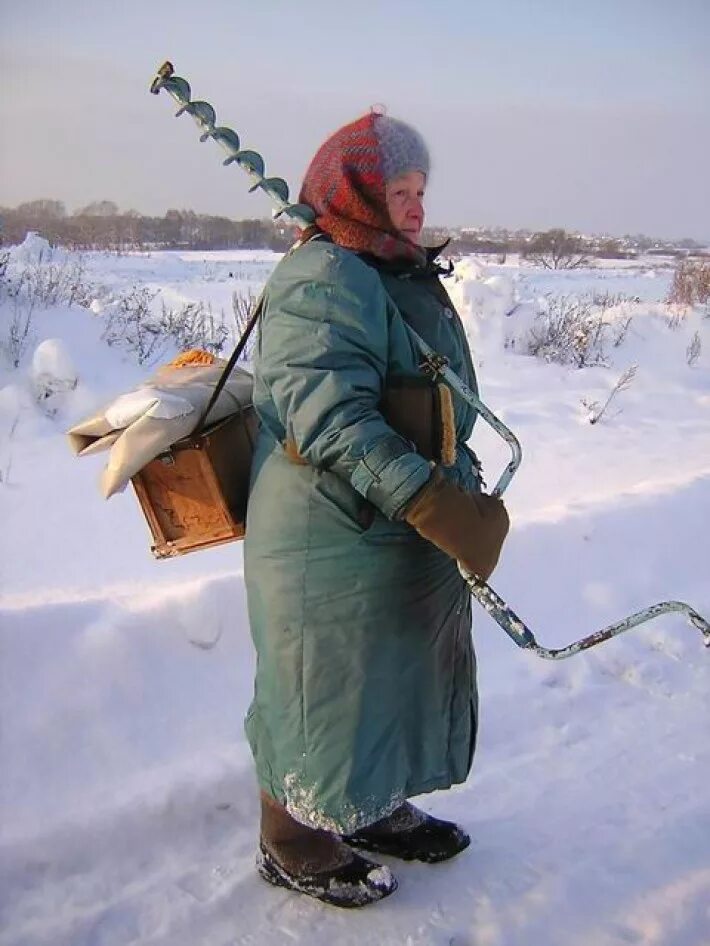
[(127, 798)]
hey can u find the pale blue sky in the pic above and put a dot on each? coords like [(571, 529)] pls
[(589, 115)]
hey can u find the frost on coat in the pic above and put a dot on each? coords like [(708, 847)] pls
[(365, 685)]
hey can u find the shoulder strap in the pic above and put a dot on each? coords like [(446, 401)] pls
[(311, 233), (229, 367)]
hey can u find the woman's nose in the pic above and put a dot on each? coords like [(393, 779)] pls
[(415, 209)]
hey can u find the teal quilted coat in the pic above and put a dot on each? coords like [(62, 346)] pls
[(365, 690)]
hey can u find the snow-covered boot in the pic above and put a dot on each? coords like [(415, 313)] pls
[(315, 862), (412, 835)]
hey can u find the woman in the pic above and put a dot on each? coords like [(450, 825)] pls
[(364, 495)]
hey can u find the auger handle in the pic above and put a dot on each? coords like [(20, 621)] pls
[(520, 633), (436, 365), (165, 72)]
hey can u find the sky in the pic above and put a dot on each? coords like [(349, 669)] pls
[(590, 116)]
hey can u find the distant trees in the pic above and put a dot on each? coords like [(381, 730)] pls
[(99, 208), (44, 208), (100, 225), (467, 243), (611, 249), (556, 249)]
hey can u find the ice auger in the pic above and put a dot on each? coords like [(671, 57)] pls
[(436, 365)]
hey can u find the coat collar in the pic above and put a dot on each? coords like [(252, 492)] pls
[(408, 269)]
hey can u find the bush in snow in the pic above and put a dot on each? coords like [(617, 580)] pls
[(596, 410), (577, 329), (692, 352), (31, 278), (47, 284), (18, 331), (195, 326), (243, 305), (47, 276), (691, 284), (18, 327), (133, 324)]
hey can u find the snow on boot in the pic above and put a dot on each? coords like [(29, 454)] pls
[(353, 884), (316, 862), (412, 835)]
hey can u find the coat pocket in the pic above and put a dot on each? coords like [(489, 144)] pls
[(358, 512)]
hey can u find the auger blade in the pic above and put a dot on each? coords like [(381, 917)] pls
[(252, 162), (301, 213), (228, 139), (179, 88), (276, 188), (204, 115)]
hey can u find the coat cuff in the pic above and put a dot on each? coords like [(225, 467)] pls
[(389, 475)]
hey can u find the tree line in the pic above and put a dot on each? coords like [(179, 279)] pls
[(102, 226)]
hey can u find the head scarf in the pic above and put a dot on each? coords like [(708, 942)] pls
[(345, 186)]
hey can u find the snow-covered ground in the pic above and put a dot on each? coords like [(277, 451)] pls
[(127, 798)]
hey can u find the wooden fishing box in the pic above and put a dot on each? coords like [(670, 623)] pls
[(195, 495)]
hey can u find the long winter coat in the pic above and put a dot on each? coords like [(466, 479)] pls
[(365, 687)]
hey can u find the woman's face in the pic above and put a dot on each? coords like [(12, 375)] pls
[(405, 195)]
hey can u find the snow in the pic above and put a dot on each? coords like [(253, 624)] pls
[(128, 802), (52, 372)]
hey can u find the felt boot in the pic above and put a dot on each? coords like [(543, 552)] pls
[(315, 862), (412, 835)]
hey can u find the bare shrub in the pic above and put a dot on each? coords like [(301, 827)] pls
[(570, 331), (131, 325), (58, 284), (577, 329), (7, 464), (37, 285), (597, 411), (676, 316), (620, 331), (692, 352), (19, 334), (604, 301), (195, 326), (691, 284), (243, 304), (46, 283)]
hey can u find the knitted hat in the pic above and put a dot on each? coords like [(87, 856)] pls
[(345, 185), (402, 148)]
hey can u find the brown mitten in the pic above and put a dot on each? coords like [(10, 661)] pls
[(470, 527)]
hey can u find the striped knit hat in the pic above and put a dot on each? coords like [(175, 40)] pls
[(345, 184)]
